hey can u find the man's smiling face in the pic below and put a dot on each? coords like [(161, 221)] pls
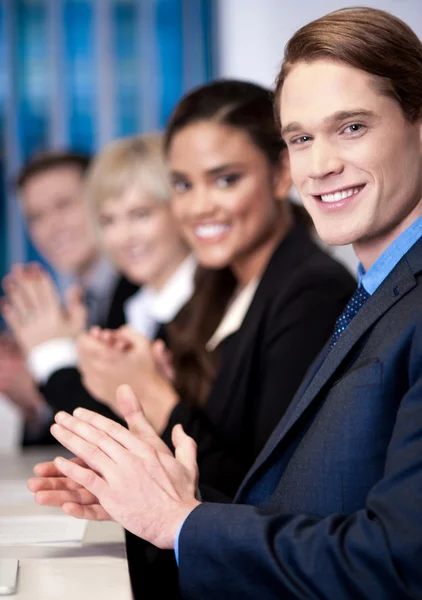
[(355, 158)]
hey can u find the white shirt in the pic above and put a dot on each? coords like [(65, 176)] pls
[(144, 311), (235, 315)]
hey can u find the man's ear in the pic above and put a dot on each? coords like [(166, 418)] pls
[(282, 179)]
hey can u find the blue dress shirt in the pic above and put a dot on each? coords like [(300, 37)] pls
[(383, 266)]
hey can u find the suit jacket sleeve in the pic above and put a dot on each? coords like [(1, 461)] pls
[(373, 553), (64, 390), (297, 327)]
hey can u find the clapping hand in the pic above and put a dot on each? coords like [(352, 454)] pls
[(16, 382), (33, 310), (108, 359), (130, 476)]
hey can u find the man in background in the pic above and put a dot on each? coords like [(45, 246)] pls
[(54, 209)]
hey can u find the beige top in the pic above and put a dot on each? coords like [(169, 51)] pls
[(235, 314)]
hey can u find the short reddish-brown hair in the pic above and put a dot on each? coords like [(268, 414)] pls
[(364, 38)]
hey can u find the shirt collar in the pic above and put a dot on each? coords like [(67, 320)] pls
[(383, 266), (176, 292), (147, 307), (235, 315)]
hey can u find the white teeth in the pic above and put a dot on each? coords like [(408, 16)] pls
[(339, 195), (210, 231)]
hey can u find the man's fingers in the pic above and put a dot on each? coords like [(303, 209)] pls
[(103, 446), (86, 478), (131, 410), (47, 290), (93, 456), (49, 469), (41, 484), (28, 281), (185, 449), (16, 297), (132, 440), (11, 316), (60, 497), (95, 512)]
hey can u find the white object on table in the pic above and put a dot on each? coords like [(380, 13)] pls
[(40, 529), (8, 576), (94, 568), (11, 426)]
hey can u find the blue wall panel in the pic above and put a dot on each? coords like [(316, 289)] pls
[(74, 73), (126, 49), (80, 73)]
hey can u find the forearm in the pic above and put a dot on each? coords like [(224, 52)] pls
[(251, 555)]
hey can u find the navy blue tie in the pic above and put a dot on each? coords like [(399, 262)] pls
[(352, 308)]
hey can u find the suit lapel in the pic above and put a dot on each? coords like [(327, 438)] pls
[(123, 290), (400, 281), (279, 268)]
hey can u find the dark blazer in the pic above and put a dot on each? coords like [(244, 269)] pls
[(300, 296), (64, 389), (332, 507), (292, 314)]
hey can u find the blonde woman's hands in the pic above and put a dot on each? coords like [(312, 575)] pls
[(111, 358)]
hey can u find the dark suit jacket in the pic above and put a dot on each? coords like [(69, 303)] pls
[(64, 389), (300, 296), (332, 507), (292, 314)]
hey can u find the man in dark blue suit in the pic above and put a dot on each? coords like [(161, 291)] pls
[(332, 507)]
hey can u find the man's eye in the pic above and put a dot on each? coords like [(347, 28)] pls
[(302, 139), (353, 128)]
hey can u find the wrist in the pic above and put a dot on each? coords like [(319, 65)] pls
[(168, 539)]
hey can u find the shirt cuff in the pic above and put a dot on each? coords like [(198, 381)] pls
[(49, 357), (176, 541)]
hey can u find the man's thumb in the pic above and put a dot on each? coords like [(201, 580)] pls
[(185, 450)]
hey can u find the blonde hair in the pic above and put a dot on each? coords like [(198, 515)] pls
[(137, 161)]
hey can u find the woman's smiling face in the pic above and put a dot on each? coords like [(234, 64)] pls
[(223, 193)]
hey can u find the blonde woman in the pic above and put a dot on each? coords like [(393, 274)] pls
[(128, 193)]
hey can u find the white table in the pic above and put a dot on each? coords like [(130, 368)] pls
[(97, 568)]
